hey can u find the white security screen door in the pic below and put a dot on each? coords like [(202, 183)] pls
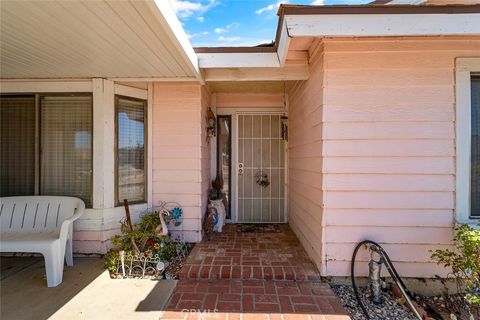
[(260, 169)]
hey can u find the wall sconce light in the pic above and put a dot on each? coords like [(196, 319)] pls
[(211, 124), (284, 120)]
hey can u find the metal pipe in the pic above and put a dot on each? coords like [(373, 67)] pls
[(374, 281)]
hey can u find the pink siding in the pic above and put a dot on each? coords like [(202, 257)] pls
[(305, 202), (249, 100), (181, 157), (382, 165)]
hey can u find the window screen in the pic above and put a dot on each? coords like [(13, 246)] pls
[(66, 146), (475, 148), (130, 120), (17, 133)]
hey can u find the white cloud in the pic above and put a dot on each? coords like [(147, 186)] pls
[(220, 30), (318, 3), (185, 8), (201, 19), (198, 34), (233, 25), (270, 7), (228, 28), (228, 39)]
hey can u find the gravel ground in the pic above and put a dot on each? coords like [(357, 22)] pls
[(452, 304), (389, 309)]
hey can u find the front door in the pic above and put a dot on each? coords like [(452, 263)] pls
[(260, 169)]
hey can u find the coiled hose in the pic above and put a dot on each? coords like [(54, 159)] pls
[(391, 270)]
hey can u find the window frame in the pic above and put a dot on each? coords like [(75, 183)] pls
[(38, 131), (464, 68), (119, 202)]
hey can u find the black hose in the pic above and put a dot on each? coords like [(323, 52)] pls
[(389, 265), (352, 274)]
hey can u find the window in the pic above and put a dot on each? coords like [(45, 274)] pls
[(66, 144), (17, 132), (475, 147), (46, 144), (130, 150), (467, 124)]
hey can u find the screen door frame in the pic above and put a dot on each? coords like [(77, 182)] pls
[(235, 175)]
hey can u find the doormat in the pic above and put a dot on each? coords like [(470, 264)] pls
[(258, 228)]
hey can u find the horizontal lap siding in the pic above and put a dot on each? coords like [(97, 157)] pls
[(305, 162), (389, 147), (179, 150), (249, 100)]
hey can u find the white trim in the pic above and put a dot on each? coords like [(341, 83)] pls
[(463, 70), (103, 141), (45, 86), (234, 183), (165, 14), (288, 72), (156, 79), (131, 92), (411, 2), (238, 60), (249, 110), (283, 45), (150, 144), (382, 24)]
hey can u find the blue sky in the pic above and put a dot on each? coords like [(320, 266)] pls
[(214, 23)]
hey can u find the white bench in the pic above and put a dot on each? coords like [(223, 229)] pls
[(40, 224)]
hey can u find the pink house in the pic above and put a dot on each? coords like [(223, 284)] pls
[(362, 120)]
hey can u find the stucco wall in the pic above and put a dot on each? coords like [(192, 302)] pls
[(387, 150), (181, 157)]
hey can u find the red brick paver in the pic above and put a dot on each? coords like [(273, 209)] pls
[(263, 275), (250, 255), (254, 299)]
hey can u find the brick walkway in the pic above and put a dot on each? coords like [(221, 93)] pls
[(250, 255), (266, 275)]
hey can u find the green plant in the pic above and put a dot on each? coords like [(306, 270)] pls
[(464, 261), (146, 239)]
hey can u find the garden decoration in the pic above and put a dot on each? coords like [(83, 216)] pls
[(172, 213), (148, 249), (130, 265), (219, 218), (162, 229), (262, 179)]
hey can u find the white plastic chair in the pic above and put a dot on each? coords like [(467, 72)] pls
[(41, 224)]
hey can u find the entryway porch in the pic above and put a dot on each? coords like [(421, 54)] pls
[(251, 251), (252, 271)]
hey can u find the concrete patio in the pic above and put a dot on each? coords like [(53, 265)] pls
[(87, 292)]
